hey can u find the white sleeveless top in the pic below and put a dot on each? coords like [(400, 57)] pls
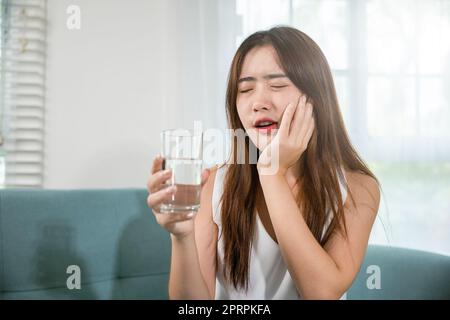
[(269, 278)]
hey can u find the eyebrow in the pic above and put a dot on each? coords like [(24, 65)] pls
[(266, 77)]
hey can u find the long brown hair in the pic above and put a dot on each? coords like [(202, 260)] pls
[(321, 166)]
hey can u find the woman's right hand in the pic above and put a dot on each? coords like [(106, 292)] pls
[(178, 224)]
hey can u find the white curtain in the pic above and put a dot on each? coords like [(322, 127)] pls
[(198, 55), (391, 64), (199, 48)]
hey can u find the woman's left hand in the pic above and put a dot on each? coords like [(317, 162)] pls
[(295, 131)]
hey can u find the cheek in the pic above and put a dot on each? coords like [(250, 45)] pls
[(288, 96), (243, 113)]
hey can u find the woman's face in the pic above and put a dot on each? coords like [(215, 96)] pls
[(264, 91)]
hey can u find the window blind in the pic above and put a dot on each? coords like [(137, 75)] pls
[(23, 53)]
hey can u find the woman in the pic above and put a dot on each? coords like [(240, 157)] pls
[(296, 229)]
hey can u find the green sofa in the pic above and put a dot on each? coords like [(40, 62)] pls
[(123, 253)]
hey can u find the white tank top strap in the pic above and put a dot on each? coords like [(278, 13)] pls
[(217, 193)]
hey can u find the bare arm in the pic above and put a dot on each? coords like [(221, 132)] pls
[(186, 280), (322, 273)]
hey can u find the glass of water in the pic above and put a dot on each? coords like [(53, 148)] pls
[(182, 151)]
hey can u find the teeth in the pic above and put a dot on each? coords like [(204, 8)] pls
[(265, 123)]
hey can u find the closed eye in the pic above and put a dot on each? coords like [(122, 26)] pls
[(279, 87), (244, 91)]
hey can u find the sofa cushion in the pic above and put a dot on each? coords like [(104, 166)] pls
[(138, 288), (109, 234), (404, 274), (124, 254)]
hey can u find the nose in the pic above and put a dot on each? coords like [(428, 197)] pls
[(261, 101)]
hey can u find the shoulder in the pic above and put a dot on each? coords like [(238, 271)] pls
[(364, 189), (359, 180), (209, 184), (205, 212), (208, 187), (212, 176), (215, 172)]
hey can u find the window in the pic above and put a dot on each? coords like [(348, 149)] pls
[(391, 65), (23, 26)]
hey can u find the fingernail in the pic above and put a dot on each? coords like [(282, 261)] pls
[(171, 189), (190, 215), (167, 171)]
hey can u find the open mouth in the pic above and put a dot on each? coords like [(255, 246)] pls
[(265, 126)]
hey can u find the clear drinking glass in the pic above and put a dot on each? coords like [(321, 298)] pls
[(182, 151)]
